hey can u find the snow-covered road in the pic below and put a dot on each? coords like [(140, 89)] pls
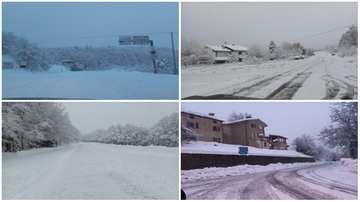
[(60, 83), (92, 171), (322, 76), (317, 181)]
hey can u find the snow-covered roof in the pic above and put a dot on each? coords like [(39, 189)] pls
[(236, 48), (217, 48), (272, 135), (202, 115), (243, 120)]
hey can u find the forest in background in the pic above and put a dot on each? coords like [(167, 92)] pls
[(164, 133), (27, 125), (128, 58)]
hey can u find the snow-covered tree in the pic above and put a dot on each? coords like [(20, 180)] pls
[(350, 38), (342, 133), (272, 48), (26, 124), (234, 116), (163, 133), (305, 144), (191, 51), (188, 133), (8, 42), (257, 53), (166, 131)]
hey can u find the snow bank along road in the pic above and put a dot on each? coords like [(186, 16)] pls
[(319, 181), (319, 77), (92, 171)]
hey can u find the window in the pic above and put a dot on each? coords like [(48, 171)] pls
[(264, 144), (190, 124), (260, 127), (216, 128), (253, 125), (192, 117), (216, 139), (253, 136), (214, 121)]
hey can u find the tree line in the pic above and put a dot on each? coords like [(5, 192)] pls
[(163, 133), (128, 58), (28, 124), (347, 45)]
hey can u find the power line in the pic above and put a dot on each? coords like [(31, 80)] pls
[(323, 32), (96, 37)]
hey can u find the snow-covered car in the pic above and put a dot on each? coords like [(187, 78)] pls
[(72, 65), (23, 64)]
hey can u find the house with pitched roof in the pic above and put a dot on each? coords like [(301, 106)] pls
[(240, 52), (246, 132), (249, 132), (220, 54)]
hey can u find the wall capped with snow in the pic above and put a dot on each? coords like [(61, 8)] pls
[(198, 161)]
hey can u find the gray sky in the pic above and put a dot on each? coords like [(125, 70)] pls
[(258, 23), (89, 116), (288, 119), (40, 21)]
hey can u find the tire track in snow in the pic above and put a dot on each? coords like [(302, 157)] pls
[(265, 82)]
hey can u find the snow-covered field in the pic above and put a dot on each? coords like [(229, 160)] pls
[(322, 76), (91, 171), (200, 147), (59, 83)]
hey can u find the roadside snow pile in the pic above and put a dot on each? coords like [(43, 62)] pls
[(350, 165), (200, 147), (215, 172)]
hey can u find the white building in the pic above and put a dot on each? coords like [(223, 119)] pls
[(222, 53)]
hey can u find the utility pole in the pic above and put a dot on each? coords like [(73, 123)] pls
[(153, 57), (172, 42)]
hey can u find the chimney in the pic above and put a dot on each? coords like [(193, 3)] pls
[(212, 114)]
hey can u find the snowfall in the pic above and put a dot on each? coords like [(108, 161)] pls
[(323, 76), (60, 83), (91, 171), (199, 182)]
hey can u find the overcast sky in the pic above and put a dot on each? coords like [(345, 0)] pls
[(90, 116), (288, 119), (258, 23), (41, 21)]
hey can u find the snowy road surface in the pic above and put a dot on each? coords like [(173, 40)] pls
[(59, 83), (317, 181), (92, 171), (319, 77)]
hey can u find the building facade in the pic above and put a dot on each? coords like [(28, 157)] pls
[(247, 132), (208, 126)]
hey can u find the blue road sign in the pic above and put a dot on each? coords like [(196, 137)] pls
[(355, 153), (243, 150)]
